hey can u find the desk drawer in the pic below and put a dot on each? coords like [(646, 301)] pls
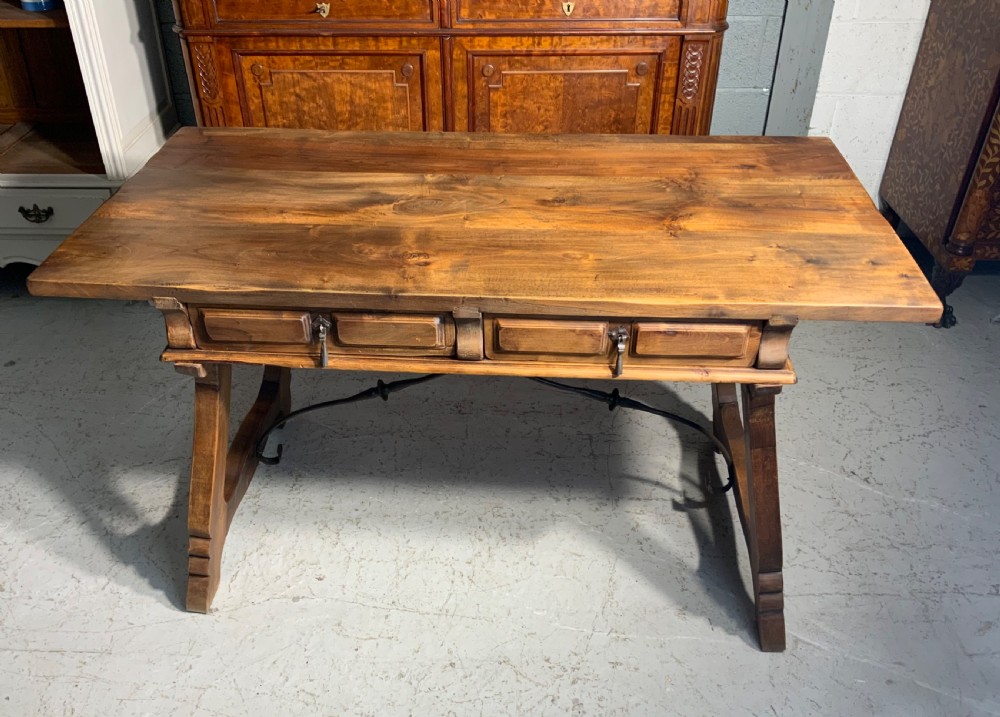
[(293, 331), (692, 340), (392, 334), (47, 210), (547, 339), (649, 343), (243, 326)]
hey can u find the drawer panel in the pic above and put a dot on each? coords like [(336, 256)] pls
[(473, 12), (398, 331), (678, 339), (696, 342), (372, 334), (245, 326), (650, 343), (559, 339), (70, 207), (305, 11)]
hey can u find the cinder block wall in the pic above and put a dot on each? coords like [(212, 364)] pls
[(749, 51), (866, 69)]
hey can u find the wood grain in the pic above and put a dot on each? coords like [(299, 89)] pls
[(401, 331), (589, 84), (716, 228), (692, 340), (566, 339)]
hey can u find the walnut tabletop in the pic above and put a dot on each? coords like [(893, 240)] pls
[(642, 225), (548, 257)]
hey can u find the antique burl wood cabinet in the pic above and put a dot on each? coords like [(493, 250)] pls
[(528, 66)]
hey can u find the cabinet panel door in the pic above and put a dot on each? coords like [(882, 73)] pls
[(550, 84), (357, 84)]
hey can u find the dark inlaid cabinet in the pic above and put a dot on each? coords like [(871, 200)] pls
[(943, 175)]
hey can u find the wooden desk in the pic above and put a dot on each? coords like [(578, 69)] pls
[(687, 259)]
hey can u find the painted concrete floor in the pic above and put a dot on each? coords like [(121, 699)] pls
[(481, 547)]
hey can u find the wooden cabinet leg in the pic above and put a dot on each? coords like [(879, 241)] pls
[(750, 438), (944, 283), (220, 474)]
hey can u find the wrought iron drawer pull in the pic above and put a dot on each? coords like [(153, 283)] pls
[(620, 337), (36, 215), (322, 326)]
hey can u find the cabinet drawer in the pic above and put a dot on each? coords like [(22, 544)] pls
[(245, 326), (547, 339), (69, 207), (475, 12), (337, 11), (392, 334), (695, 342)]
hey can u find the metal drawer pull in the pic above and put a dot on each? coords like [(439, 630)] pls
[(36, 215), (322, 326), (322, 9), (567, 7), (620, 336)]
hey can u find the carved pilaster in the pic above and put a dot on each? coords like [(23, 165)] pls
[(691, 83), (206, 80), (694, 61)]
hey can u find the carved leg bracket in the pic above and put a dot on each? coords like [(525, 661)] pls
[(220, 473), (750, 436)]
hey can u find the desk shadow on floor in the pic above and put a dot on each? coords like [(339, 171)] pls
[(487, 437)]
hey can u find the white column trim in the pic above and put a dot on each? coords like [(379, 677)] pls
[(91, 54)]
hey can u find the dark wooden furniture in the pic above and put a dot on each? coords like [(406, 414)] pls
[(650, 258), (554, 66), (943, 175)]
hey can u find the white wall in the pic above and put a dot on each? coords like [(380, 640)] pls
[(866, 69)]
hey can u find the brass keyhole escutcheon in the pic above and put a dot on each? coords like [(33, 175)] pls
[(322, 9), (568, 8)]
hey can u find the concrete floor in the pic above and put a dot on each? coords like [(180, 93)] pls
[(482, 547)]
